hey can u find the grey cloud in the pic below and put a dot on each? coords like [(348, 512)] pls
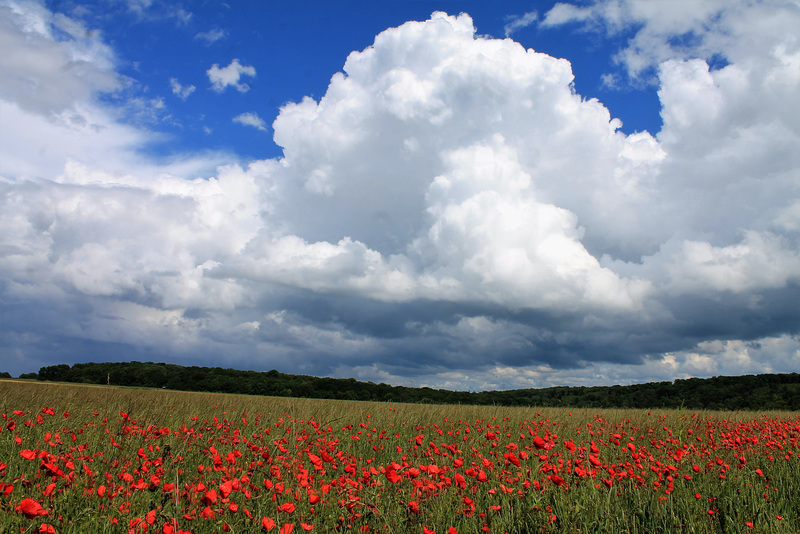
[(48, 76)]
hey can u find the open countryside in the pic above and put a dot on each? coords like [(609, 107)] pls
[(77, 458)]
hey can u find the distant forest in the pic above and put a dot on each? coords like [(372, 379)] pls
[(750, 392)]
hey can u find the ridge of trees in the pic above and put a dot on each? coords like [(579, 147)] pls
[(748, 392)]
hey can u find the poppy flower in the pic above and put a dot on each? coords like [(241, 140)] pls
[(267, 523), (392, 476), (287, 507), (31, 508), (226, 488)]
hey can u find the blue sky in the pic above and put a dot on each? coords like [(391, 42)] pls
[(470, 195), (296, 47)]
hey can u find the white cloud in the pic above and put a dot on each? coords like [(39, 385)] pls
[(251, 119), (490, 231), (111, 235), (735, 31), (212, 36), (139, 6), (478, 212), (517, 23), (141, 110), (181, 91), (758, 261), (229, 76), (565, 13), (151, 11)]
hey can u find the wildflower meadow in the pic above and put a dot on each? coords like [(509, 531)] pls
[(107, 459)]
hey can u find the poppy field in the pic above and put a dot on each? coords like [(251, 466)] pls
[(105, 459)]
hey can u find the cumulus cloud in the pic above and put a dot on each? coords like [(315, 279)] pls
[(251, 119), (449, 213), (229, 76)]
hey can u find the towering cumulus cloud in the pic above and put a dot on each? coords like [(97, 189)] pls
[(451, 169), (449, 213)]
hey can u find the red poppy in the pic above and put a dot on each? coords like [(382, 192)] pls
[(226, 488), (210, 497), (286, 507), (392, 476), (31, 508)]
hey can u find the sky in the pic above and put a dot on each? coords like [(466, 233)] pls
[(468, 195)]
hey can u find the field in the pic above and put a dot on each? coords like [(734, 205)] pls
[(105, 459)]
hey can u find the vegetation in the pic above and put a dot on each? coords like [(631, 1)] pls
[(751, 392), (77, 458)]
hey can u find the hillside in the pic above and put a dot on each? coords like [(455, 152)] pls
[(749, 392)]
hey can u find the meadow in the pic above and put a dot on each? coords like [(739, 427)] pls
[(108, 459)]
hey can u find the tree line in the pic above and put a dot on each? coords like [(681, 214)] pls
[(749, 392)]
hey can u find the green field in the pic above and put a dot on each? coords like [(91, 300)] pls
[(108, 459)]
